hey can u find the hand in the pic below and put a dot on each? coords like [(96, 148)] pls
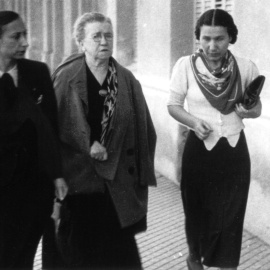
[(98, 151), (241, 111), (61, 188), (251, 113), (202, 129)]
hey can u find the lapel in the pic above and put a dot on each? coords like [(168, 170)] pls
[(78, 82), (25, 78), (122, 113), (117, 132)]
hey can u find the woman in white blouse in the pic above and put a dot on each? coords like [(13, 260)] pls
[(216, 163)]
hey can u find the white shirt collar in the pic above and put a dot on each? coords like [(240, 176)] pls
[(13, 73)]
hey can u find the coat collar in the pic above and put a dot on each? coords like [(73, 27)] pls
[(78, 80)]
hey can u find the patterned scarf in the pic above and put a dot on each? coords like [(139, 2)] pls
[(222, 87), (110, 100)]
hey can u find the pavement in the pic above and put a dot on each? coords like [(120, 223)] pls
[(163, 246)]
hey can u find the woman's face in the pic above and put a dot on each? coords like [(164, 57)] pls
[(98, 41), (13, 43), (214, 41)]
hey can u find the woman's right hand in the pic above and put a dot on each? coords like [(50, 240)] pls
[(202, 129), (98, 151)]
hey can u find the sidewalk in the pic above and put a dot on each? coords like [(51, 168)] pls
[(163, 245)]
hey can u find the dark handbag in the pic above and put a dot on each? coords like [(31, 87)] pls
[(66, 236), (252, 92)]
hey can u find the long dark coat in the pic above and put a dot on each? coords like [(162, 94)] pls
[(129, 169)]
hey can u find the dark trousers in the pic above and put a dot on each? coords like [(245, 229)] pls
[(95, 239), (26, 199), (21, 227)]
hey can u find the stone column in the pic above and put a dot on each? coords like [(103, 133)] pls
[(47, 49), (57, 32), (111, 11), (165, 33), (70, 14), (87, 6), (34, 23), (182, 30), (126, 31)]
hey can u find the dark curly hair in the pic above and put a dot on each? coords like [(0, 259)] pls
[(217, 17)]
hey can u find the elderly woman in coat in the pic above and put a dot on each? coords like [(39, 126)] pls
[(108, 144)]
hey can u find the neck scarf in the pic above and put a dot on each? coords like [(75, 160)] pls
[(222, 87), (110, 100)]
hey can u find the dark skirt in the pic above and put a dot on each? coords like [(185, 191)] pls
[(214, 189), (90, 236)]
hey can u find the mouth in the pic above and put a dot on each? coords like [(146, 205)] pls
[(213, 54), (21, 52)]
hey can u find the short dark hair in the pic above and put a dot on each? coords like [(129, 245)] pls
[(90, 17), (6, 17), (217, 17)]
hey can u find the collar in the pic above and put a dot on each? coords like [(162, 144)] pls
[(13, 73)]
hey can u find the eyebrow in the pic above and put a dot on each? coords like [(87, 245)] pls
[(19, 32), (214, 36)]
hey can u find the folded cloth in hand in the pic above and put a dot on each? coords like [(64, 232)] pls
[(252, 92)]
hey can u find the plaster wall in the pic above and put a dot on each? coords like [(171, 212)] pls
[(153, 38), (252, 20)]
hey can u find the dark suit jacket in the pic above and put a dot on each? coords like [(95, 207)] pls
[(34, 109), (129, 169), (34, 77)]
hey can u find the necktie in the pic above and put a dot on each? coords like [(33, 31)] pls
[(8, 87)]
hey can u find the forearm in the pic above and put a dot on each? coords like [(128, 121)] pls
[(182, 116)]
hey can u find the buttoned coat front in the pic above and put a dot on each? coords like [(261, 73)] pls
[(129, 169)]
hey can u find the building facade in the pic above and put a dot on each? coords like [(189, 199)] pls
[(150, 36)]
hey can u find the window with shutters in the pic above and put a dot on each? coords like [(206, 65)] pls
[(202, 5)]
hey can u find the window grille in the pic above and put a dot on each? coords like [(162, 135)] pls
[(202, 5)]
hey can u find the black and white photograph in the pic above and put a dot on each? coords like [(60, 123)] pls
[(134, 135)]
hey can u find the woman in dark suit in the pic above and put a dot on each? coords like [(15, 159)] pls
[(29, 159), (108, 143)]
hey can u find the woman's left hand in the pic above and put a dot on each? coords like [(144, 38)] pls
[(61, 188), (241, 111), (251, 113), (98, 151)]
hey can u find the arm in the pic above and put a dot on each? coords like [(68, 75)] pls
[(49, 109), (179, 86), (48, 104), (200, 127), (249, 73), (251, 113), (78, 166)]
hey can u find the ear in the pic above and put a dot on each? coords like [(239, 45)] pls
[(82, 46)]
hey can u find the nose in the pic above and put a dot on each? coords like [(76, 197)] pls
[(103, 40), (212, 45), (24, 41)]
